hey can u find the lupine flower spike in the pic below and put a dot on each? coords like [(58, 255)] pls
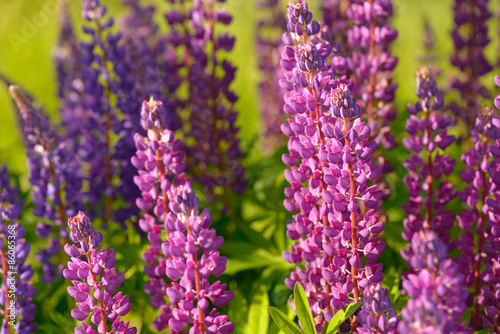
[(331, 144), (371, 67), (435, 285), (55, 176), (180, 266), (17, 307), (95, 281), (479, 258), (470, 37), (159, 160), (269, 48)]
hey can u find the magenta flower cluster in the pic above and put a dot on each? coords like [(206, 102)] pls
[(337, 242), (94, 281), (184, 250)]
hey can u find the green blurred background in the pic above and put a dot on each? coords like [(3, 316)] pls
[(29, 63)]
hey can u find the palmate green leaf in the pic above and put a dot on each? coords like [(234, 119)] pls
[(283, 322), (341, 316), (303, 309)]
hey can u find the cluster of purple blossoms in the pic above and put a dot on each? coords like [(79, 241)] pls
[(269, 48), (435, 285), (180, 266), (55, 176), (17, 309), (478, 244), (428, 139), (335, 19), (332, 146), (371, 67), (94, 281), (159, 163), (213, 150), (377, 315), (436, 289), (470, 37)]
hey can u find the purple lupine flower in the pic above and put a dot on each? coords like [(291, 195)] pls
[(54, 174), (100, 117), (14, 251), (335, 19), (427, 135), (470, 37), (331, 144), (213, 148), (191, 254), (94, 281), (480, 255), (371, 67), (269, 48), (437, 301), (170, 198), (377, 315), (435, 284), (159, 162)]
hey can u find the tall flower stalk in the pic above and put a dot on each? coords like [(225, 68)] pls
[(269, 48), (436, 286), (17, 307), (183, 251), (371, 67), (94, 281), (55, 176), (212, 144), (331, 144), (470, 37), (478, 243)]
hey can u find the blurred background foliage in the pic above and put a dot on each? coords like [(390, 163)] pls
[(255, 270)]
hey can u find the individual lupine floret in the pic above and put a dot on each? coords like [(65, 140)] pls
[(159, 160), (333, 150), (377, 315), (436, 287), (213, 150), (94, 281), (191, 256), (470, 37), (14, 251), (269, 48), (55, 176), (371, 67), (428, 139), (479, 241)]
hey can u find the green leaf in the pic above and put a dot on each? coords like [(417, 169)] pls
[(341, 316), (243, 256), (283, 322), (335, 322), (303, 309), (325, 327), (351, 308), (484, 331), (258, 314)]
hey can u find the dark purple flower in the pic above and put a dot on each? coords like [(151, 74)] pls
[(16, 304), (470, 37), (54, 174)]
